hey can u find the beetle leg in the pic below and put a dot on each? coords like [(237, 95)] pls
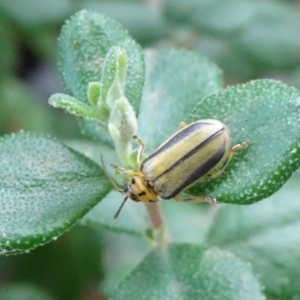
[(196, 199), (234, 149), (140, 150), (182, 125), (127, 172), (119, 169)]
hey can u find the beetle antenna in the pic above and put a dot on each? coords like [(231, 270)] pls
[(120, 208)]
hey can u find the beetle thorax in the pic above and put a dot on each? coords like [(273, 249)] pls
[(138, 189)]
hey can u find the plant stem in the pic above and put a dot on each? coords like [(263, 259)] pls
[(155, 215), (160, 232)]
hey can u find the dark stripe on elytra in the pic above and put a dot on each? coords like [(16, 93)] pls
[(178, 137), (190, 153), (198, 173)]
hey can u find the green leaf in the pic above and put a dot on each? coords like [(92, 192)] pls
[(265, 113), (190, 272), (113, 78), (94, 93), (23, 292), (267, 235), (176, 80), (45, 187), (83, 44), (75, 107)]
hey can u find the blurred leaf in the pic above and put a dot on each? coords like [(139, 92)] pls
[(272, 34), (68, 267), (95, 131), (188, 222), (40, 40), (94, 150), (23, 292), (267, 235), (8, 50), (228, 56), (214, 16), (118, 264), (21, 109), (102, 216), (176, 80), (266, 31), (190, 272), (36, 12), (265, 113), (290, 77), (45, 188)]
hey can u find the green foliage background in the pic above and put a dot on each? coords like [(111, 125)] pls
[(247, 40)]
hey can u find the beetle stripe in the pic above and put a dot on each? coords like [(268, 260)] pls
[(179, 144), (179, 137), (187, 156), (193, 151), (198, 173)]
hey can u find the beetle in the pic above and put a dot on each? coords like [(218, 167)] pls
[(196, 151)]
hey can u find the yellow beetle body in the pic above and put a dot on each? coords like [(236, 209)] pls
[(187, 156), (196, 151)]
